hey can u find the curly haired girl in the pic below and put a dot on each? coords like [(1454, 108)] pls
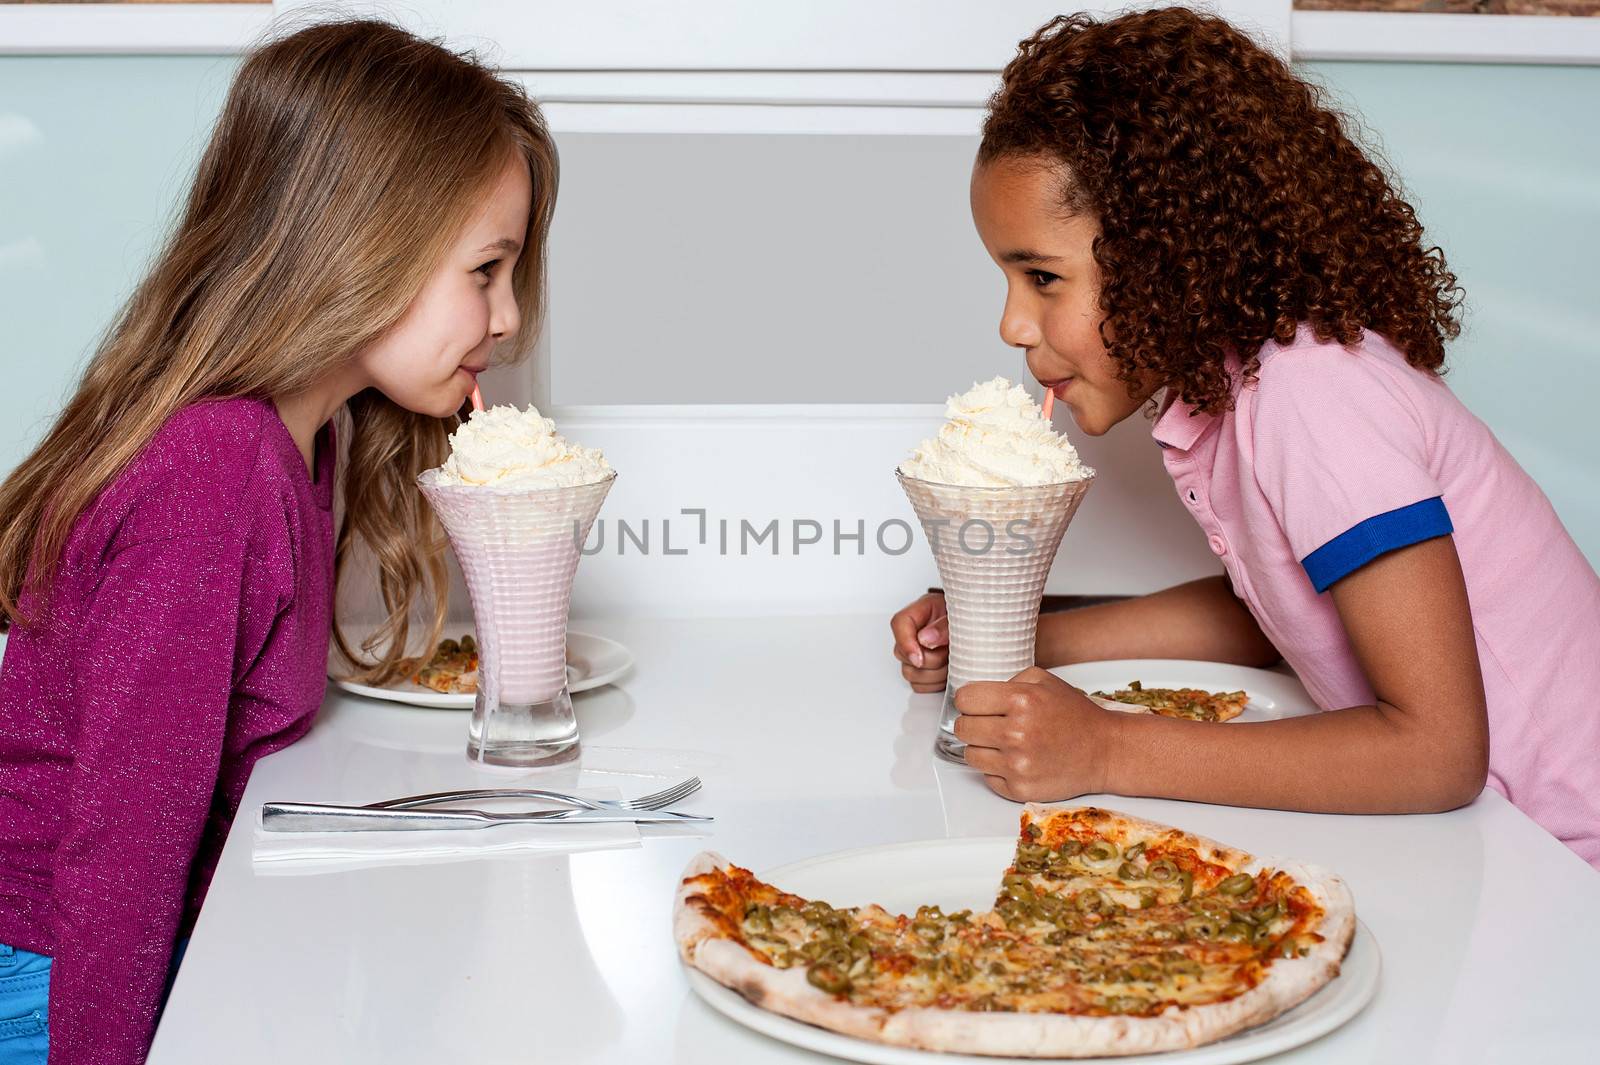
[(366, 230), (1184, 224)]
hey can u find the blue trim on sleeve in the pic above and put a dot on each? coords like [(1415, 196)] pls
[(1378, 535)]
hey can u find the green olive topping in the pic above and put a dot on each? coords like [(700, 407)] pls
[(1186, 879), (1070, 921), (1237, 884), (932, 931), (1090, 900), (1268, 912), (1147, 898), (1012, 912), (1163, 870), (1125, 1004), (957, 968), (1100, 852), (449, 647), (758, 918), (1128, 871), (860, 944), (1022, 892), (1069, 847), (837, 956), (1143, 972), (1031, 857), (468, 644), (828, 978), (1236, 932), (1211, 906), (1202, 927)]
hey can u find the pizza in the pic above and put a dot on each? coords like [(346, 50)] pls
[(1190, 703), (453, 669), (1110, 935)]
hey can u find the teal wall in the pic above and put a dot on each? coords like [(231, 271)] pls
[(1503, 166), (1503, 163), (95, 156)]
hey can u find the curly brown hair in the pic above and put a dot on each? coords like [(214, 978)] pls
[(1226, 189)]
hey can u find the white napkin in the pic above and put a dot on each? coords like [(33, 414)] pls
[(297, 853)]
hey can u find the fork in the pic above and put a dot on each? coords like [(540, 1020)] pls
[(656, 800)]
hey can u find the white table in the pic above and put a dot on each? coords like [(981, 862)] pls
[(808, 742)]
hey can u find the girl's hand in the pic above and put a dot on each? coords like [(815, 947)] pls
[(922, 642), (1035, 738)]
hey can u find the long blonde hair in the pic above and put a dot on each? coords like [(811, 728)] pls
[(347, 159)]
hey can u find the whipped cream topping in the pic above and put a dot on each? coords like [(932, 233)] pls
[(510, 448), (995, 436)]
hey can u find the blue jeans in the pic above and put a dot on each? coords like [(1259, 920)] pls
[(24, 1007), (25, 1002)]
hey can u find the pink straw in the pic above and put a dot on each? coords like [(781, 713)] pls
[(1049, 403), (477, 397)]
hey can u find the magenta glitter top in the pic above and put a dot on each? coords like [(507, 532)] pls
[(186, 637)]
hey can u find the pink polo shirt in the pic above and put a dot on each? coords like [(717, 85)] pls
[(1335, 456)]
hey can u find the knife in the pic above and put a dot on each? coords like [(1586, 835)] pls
[(321, 817)]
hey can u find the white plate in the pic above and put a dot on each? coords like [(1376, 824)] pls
[(965, 874), (591, 662), (1272, 695)]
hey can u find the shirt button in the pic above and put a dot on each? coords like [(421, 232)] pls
[(1219, 547)]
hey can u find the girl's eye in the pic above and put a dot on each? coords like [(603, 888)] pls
[(487, 269), (1041, 278)]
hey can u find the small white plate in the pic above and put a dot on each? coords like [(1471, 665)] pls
[(965, 874), (591, 662), (1272, 695)]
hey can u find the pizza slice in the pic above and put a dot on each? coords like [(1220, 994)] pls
[(1193, 704), (453, 668), (1111, 935)]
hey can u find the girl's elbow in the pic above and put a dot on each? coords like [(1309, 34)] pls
[(1461, 780)]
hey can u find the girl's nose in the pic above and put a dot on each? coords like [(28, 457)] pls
[(504, 318), (1018, 328)]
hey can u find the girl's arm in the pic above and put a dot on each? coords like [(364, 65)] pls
[(153, 667), (1201, 620), (1423, 747)]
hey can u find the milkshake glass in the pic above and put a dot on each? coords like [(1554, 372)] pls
[(993, 547), (519, 549)]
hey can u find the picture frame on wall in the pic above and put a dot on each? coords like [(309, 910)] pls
[(900, 36), (1465, 31)]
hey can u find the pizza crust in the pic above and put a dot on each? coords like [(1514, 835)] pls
[(1208, 849), (785, 991), (1288, 982)]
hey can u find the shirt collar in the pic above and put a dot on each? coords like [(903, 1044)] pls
[(1179, 425)]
